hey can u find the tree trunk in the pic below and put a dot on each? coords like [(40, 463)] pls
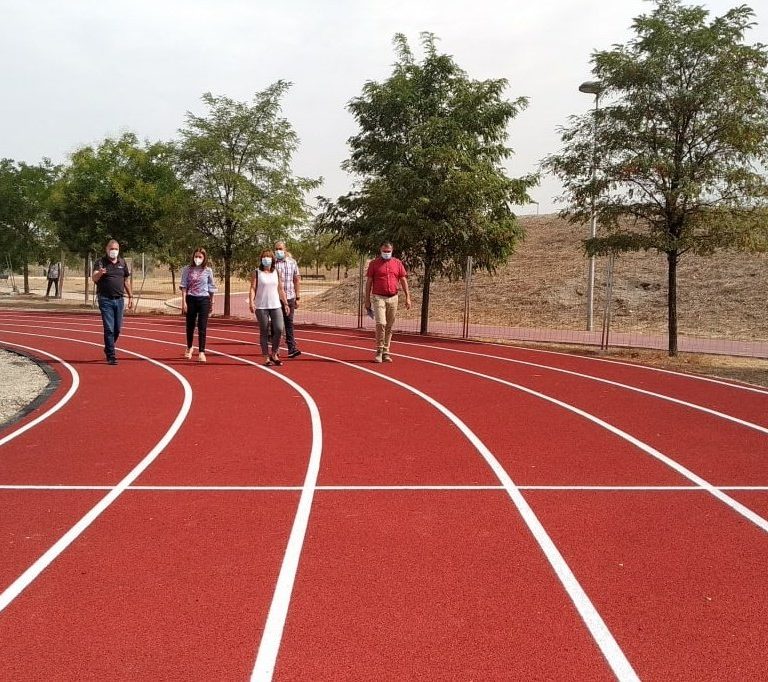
[(428, 260), (25, 271), (173, 278), (227, 283), (87, 277), (672, 258)]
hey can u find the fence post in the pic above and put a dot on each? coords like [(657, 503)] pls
[(467, 289), (360, 291)]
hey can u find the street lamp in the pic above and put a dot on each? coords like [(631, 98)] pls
[(592, 88)]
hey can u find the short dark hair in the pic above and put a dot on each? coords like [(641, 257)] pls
[(383, 244)]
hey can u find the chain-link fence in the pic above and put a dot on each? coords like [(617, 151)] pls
[(540, 295)]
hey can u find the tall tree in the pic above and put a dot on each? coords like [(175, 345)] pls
[(120, 189), (429, 153), (679, 149), (26, 231), (236, 159)]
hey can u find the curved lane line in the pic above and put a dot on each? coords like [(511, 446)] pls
[(53, 409), (26, 578), (266, 657), (603, 637), (739, 508)]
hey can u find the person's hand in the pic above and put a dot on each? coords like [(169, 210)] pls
[(368, 304), (407, 303), (130, 302), (296, 302), (250, 307), (183, 308)]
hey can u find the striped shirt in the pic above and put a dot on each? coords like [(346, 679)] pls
[(288, 269), (198, 281)]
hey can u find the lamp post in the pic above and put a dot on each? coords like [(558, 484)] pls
[(592, 88)]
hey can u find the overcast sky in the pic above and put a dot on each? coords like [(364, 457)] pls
[(76, 71)]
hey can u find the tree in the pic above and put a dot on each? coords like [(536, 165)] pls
[(119, 190), (680, 146), (237, 162), (429, 152), (26, 231)]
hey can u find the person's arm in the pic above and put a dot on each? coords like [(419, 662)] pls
[(183, 287), (406, 291), (368, 287), (127, 287), (297, 284), (211, 290), (281, 294), (99, 271), (252, 291)]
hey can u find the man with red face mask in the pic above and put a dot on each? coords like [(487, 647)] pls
[(385, 274)]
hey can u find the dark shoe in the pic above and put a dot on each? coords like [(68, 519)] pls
[(294, 353), (386, 357), (111, 361)]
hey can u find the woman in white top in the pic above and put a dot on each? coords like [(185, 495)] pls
[(267, 299)]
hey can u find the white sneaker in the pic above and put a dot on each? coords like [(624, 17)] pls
[(201, 357)]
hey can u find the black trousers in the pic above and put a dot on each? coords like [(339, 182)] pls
[(198, 309), (52, 283)]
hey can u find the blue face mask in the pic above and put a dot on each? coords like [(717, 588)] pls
[(279, 254), (386, 255), (266, 262)]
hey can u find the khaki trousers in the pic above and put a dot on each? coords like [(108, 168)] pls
[(384, 311)]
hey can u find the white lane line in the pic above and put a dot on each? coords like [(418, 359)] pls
[(266, 656), (744, 386), (590, 377), (363, 488), (589, 614), (26, 578), (636, 389), (54, 408), (737, 506)]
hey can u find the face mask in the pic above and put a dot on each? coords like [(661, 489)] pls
[(280, 254), (198, 261), (386, 255), (266, 262), (112, 253)]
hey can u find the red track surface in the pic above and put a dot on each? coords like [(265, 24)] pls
[(364, 522)]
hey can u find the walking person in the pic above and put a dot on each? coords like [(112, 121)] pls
[(385, 273), (113, 281), (54, 270), (288, 269), (197, 290), (266, 298)]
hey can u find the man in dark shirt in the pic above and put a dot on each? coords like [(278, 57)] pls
[(112, 277)]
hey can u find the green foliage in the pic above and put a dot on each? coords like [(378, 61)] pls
[(118, 190), (429, 152), (236, 160), (681, 144), (27, 234)]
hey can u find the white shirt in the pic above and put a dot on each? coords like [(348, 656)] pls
[(267, 296)]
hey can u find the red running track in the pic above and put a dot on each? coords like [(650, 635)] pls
[(469, 512)]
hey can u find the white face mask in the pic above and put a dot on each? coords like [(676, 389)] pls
[(112, 253), (386, 255), (198, 260)]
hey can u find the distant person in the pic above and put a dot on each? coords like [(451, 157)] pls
[(288, 270), (197, 290), (113, 281), (384, 275), (54, 270), (266, 298)]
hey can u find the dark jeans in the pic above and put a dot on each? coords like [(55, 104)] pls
[(198, 309), (270, 317), (52, 282), (112, 319), (288, 323)]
